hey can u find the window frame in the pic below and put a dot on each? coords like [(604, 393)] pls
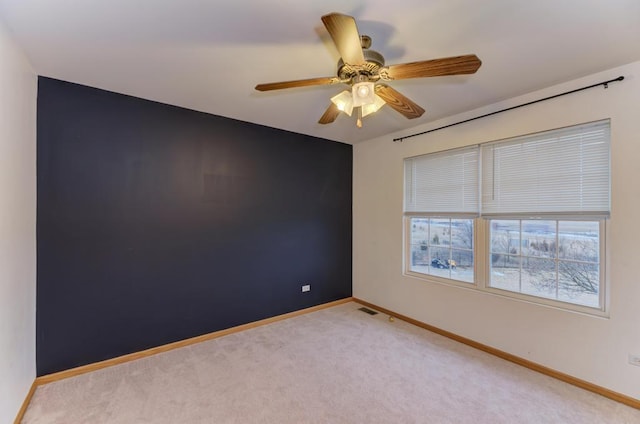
[(603, 287), (408, 254), (482, 268), (482, 237)]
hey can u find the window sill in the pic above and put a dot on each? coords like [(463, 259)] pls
[(513, 296)]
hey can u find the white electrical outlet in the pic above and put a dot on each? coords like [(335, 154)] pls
[(634, 360), (306, 288)]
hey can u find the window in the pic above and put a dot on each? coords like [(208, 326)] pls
[(442, 247), (539, 222), (554, 259), (441, 200)]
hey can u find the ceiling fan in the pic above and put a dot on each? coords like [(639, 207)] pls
[(363, 70)]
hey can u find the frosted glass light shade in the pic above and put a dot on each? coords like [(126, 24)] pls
[(363, 93), (372, 107), (344, 102)]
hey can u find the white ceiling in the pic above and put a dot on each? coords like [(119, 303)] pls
[(208, 55)]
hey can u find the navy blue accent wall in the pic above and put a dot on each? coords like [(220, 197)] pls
[(157, 223)]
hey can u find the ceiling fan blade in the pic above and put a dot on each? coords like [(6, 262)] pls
[(399, 102), (297, 83), (456, 65), (330, 114), (344, 32)]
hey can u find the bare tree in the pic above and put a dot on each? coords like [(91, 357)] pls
[(578, 277), (502, 242), (577, 268), (465, 233)]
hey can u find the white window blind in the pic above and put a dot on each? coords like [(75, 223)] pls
[(559, 171), (444, 182)]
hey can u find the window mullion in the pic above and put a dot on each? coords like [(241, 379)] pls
[(557, 260), (520, 257), (481, 250)]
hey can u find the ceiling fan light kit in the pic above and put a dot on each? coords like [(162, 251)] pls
[(363, 69)]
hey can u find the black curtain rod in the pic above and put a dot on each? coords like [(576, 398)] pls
[(604, 83)]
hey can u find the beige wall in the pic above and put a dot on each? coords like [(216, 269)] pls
[(18, 85), (591, 348)]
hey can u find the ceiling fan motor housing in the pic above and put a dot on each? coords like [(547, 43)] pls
[(373, 62)]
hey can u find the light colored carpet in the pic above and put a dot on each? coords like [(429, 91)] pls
[(337, 365)]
